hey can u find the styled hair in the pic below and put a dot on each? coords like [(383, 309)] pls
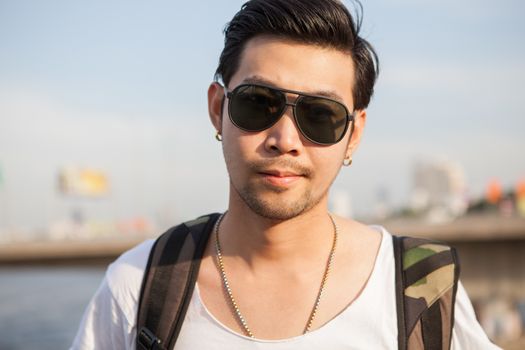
[(326, 23)]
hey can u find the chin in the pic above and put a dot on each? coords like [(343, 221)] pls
[(277, 207)]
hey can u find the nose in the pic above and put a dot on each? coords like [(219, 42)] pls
[(284, 137)]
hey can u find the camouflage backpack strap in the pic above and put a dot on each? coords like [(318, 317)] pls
[(427, 274), (169, 281)]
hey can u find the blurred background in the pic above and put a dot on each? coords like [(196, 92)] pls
[(105, 141)]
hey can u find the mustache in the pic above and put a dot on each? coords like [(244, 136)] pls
[(263, 165)]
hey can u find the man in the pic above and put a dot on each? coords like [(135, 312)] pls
[(279, 271)]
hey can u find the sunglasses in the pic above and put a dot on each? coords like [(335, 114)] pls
[(255, 107)]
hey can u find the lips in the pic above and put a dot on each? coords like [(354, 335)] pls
[(280, 173), (280, 178)]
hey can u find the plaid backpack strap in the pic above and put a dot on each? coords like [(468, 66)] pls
[(427, 274), (169, 281)]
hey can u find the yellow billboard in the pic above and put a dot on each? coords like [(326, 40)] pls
[(84, 182)]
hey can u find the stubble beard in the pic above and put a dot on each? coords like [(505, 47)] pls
[(277, 209)]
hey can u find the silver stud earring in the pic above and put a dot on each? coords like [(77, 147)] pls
[(218, 136)]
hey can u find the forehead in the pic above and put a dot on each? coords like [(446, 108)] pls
[(297, 66)]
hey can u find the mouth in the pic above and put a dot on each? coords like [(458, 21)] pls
[(280, 178), (280, 173)]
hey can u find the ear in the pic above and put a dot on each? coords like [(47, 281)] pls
[(215, 104), (358, 127)]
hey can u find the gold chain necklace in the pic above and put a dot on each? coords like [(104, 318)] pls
[(228, 289)]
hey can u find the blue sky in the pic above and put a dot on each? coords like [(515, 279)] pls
[(121, 86)]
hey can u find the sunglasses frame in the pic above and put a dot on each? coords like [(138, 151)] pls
[(283, 92)]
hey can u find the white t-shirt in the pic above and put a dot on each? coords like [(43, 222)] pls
[(369, 322)]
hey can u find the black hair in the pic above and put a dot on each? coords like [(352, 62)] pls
[(326, 23)]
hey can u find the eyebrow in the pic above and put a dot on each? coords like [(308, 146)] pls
[(257, 79)]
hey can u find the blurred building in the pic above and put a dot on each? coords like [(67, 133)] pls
[(439, 190)]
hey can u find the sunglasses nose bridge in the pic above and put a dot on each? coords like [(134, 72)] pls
[(285, 95), (291, 115), (289, 104)]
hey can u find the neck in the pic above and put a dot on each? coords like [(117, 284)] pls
[(292, 243)]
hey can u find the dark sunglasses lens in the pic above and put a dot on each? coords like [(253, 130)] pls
[(321, 120), (255, 108)]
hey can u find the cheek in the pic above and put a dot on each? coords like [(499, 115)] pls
[(231, 140), (242, 144), (238, 149), (328, 165), (232, 159)]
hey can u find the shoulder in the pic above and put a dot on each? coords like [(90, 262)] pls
[(467, 332), (124, 277), (109, 319), (440, 277), (132, 262)]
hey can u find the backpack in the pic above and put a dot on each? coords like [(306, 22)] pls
[(427, 275)]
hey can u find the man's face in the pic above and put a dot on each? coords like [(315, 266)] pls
[(277, 172)]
